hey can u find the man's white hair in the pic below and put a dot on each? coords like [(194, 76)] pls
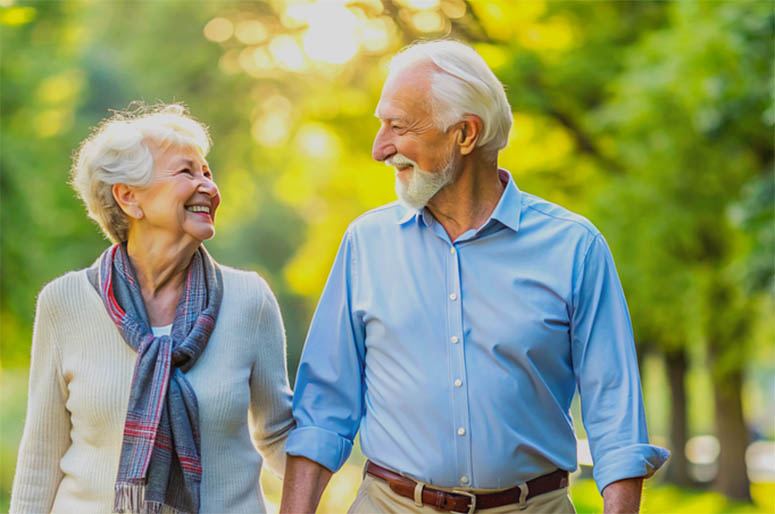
[(118, 152), (462, 84)]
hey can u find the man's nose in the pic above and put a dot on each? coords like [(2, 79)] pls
[(383, 146)]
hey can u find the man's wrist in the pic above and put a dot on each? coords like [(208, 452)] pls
[(304, 483), (623, 496)]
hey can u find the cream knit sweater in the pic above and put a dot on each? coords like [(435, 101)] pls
[(80, 373)]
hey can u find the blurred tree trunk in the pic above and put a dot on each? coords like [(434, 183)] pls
[(732, 479), (728, 324), (676, 365)]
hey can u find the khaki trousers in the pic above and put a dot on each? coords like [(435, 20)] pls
[(376, 497)]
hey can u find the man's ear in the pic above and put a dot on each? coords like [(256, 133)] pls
[(470, 130), (127, 201)]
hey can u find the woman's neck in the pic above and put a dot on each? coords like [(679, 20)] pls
[(161, 265)]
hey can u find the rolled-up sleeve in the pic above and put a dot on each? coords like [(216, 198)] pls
[(606, 369), (328, 397)]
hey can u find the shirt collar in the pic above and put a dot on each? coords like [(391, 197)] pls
[(509, 207), (507, 211), (411, 213)]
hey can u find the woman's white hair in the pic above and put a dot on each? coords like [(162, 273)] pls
[(119, 151), (463, 84)]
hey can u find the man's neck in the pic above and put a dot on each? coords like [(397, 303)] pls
[(469, 201)]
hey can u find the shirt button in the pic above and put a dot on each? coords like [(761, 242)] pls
[(461, 431), (453, 296), (458, 382), (464, 479), (454, 339), (452, 250)]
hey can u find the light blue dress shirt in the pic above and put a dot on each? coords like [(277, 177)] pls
[(458, 360)]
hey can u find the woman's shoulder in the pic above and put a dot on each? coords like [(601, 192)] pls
[(245, 285), (248, 278), (70, 286), (65, 295)]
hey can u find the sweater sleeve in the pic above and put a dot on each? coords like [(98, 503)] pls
[(46, 435), (270, 404)]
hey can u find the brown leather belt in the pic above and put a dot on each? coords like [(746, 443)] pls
[(463, 501)]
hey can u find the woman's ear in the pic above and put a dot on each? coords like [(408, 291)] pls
[(470, 131), (127, 201)]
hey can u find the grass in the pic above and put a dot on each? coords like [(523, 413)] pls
[(669, 499), (658, 498)]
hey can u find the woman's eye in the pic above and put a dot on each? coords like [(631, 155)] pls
[(185, 170)]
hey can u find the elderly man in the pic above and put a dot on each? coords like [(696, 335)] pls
[(458, 322)]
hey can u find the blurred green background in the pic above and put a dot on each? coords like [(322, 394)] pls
[(653, 119)]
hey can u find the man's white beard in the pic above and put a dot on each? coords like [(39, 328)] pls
[(417, 190)]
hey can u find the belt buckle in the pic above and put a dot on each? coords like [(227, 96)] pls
[(472, 508)]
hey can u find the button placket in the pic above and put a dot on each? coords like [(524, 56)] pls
[(458, 364)]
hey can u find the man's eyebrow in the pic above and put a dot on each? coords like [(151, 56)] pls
[(395, 117)]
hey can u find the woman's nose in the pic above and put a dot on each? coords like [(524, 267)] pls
[(208, 186)]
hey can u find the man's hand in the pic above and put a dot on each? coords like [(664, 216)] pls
[(623, 496), (303, 485)]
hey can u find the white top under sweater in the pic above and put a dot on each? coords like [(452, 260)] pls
[(80, 374)]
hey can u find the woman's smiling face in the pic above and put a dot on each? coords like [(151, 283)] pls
[(182, 197)]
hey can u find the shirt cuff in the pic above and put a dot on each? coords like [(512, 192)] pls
[(633, 461), (327, 448)]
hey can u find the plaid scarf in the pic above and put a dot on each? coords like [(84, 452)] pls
[(160, 465)]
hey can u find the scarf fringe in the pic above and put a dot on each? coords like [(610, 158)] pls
[(130, 499)]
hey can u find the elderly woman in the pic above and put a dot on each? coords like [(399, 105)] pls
[(157, 372)]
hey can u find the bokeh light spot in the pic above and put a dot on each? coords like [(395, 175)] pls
[(428, 21), (332, 34), (420, 4), (229, 62), (375, 35), (453, 9), (273, 127), (317, 141), (17, 16), (251, 32), (287, 53), (219, 30), (60, 88), (271, 130), (52, 122)]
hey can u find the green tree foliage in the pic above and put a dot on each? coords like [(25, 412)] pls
[(691, 114)]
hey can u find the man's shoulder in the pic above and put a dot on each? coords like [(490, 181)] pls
[(378, 219), (540, 212)]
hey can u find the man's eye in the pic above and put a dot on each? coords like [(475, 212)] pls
[(185, 170)]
